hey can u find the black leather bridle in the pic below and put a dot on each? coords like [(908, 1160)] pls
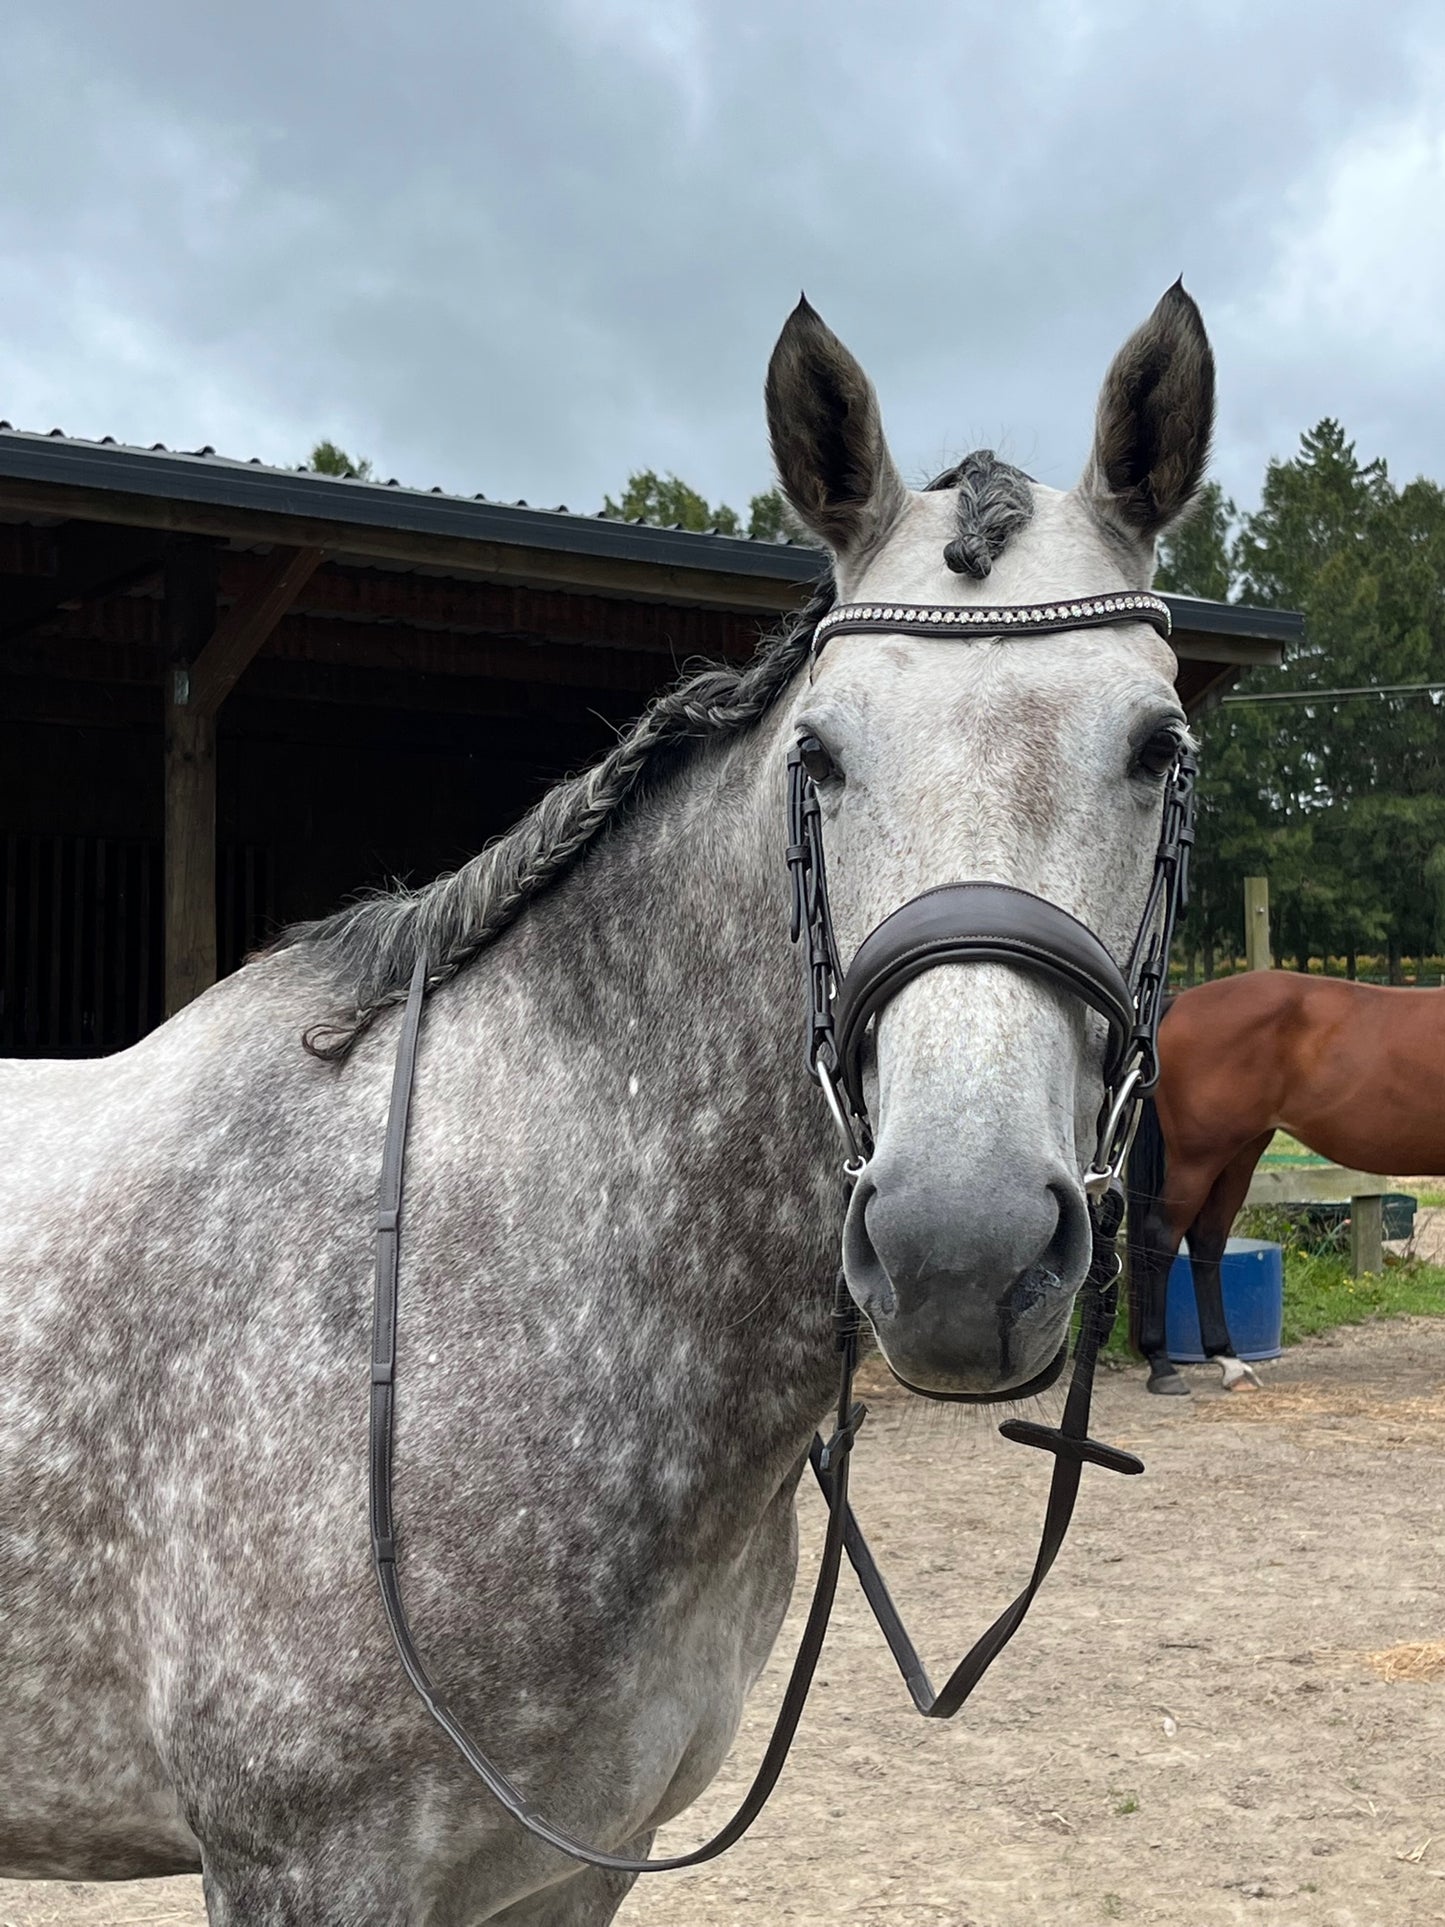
[(988, 922), (956, 923)]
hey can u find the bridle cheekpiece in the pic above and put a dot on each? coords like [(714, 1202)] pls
[(986, 922)]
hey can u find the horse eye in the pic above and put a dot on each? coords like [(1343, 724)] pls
[(815, 759), (1156, 756)]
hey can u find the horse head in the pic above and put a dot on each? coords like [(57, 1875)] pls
[(1036, 761)]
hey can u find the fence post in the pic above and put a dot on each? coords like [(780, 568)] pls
[(1256, 924), (1367, 1233)]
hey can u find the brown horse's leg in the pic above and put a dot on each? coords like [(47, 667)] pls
[(1150, 1257), (1164, 1195), (1208, 1240), (1163, 1232)]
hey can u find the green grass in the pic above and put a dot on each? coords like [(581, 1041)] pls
[(1320, 1294)]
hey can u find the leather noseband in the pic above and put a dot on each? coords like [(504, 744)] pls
[(976, 923)]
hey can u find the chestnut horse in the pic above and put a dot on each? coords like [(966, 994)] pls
[(1352, 1070)]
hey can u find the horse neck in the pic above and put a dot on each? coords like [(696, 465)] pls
[(661, 972)]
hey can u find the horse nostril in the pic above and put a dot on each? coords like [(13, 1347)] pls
[(867, 1275), (1067, 1253), (904, 1239)]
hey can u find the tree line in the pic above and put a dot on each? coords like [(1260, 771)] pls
[(1339, 801)]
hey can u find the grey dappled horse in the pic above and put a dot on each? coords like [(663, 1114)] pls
[(623, 1217)]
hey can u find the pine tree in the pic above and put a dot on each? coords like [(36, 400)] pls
[(1194, 558), (327, 459)]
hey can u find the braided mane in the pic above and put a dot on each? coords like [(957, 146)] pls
[(994, 501), (372, 945)]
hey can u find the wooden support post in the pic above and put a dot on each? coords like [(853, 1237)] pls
[(190, 779), (190, 896), (246, 625), (1258, 955), (206, 660), (1367, 1235)]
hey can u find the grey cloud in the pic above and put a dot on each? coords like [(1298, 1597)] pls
[(525, 250)]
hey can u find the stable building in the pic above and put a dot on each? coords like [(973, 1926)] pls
[(233, 695)]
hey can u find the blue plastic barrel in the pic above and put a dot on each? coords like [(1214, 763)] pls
[(1251, 1275)]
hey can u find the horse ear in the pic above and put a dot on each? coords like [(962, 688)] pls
[(827, 435), (1155, 421)]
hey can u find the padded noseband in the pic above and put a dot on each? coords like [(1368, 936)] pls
[(976, 923)]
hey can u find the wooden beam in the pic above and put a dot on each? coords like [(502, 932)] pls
[(190, 780), (88, 692), (1367, 1234), (127, 634), (244, 628), (91, 561), (1256, 924), (1243, 652), (498, 609), (78, 705), (190, 840), (207, 660), (431, 655), (1312, 1184), (466, 556), (549, 745), (403, 690)]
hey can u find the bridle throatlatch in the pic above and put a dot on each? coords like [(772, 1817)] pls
[(956, 923)]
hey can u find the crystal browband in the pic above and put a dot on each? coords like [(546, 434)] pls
[(1023, 618)]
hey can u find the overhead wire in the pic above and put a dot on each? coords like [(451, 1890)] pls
[(1365, 690)]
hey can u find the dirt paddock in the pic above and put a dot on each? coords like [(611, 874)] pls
[(1228, 1706)]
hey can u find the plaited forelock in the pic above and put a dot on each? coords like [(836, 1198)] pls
[(373, 945), (995, 501)]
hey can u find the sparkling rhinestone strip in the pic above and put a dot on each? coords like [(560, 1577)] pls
[(1030, 617)]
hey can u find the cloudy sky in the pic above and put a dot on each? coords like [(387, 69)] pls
[(524, 246)]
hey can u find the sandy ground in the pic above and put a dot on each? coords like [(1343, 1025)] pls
[(1193, 1727)]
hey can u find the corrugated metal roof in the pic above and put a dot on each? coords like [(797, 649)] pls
[(203, 475), (253, 462), (57, 461)]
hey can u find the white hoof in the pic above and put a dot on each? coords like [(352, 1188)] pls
[(1238, 1377)]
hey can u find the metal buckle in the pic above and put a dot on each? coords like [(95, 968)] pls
[(854, 1162), (1116, 1134)]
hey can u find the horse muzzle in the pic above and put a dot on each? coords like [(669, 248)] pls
[(971, 1302)]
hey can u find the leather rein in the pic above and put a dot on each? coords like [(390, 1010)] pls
[(957, 923)]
